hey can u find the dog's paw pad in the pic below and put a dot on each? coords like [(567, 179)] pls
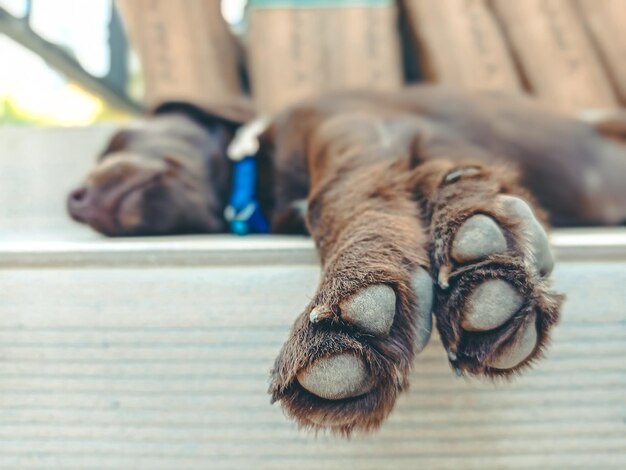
[(337, 377), (540, 244), (372, 309), (522, 345), (423, 288), (491, 305), (478, 237)]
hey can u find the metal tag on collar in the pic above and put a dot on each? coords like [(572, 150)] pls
[(239, 221), (248, 220)]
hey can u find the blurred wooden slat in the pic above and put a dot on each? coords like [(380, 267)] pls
[(605, 20), (187, 53), (556, 56), (299, 49), (461, 45)]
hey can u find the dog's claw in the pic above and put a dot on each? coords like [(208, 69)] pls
[(452, 356), (320, 313), (443, 276)]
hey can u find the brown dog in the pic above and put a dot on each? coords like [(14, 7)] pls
[(168, 175), (402, 188)]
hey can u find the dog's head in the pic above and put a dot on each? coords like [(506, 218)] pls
[(168, 175)]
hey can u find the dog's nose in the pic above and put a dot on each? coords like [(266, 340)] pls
[(85, 206), (77, 203), (78, 195)]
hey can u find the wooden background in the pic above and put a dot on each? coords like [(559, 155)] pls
[(568, 53)]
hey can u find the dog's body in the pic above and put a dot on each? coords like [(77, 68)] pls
[(574, 171), (401, 189)]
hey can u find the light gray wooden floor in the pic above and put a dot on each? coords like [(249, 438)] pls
[(132, 354)]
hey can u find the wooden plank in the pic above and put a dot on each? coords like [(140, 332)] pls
[(461, 45), (299, 49), (187, 54), (605, 23), (93, 374), (555, 54), (202, 250)]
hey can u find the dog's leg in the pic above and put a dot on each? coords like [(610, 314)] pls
[(491, 257), (349, 353)]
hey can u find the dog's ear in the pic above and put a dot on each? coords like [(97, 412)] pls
[(117, 143), (231, 114)]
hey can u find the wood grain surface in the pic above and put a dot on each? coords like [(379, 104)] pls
[(168, 368)]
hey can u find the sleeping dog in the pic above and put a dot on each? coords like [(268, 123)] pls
[(425, 201)]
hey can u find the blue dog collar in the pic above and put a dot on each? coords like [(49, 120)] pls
[(243, 212)]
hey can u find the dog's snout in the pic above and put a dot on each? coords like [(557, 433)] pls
[(85, 206), (81, 205)]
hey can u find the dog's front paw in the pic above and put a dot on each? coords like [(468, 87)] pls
[(349, 355), (492, 257)]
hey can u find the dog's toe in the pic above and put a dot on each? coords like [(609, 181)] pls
[(523, 344), (540, 244), (423, 288), (491, 305), (371, 309), (478, 237), (337, 377)]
